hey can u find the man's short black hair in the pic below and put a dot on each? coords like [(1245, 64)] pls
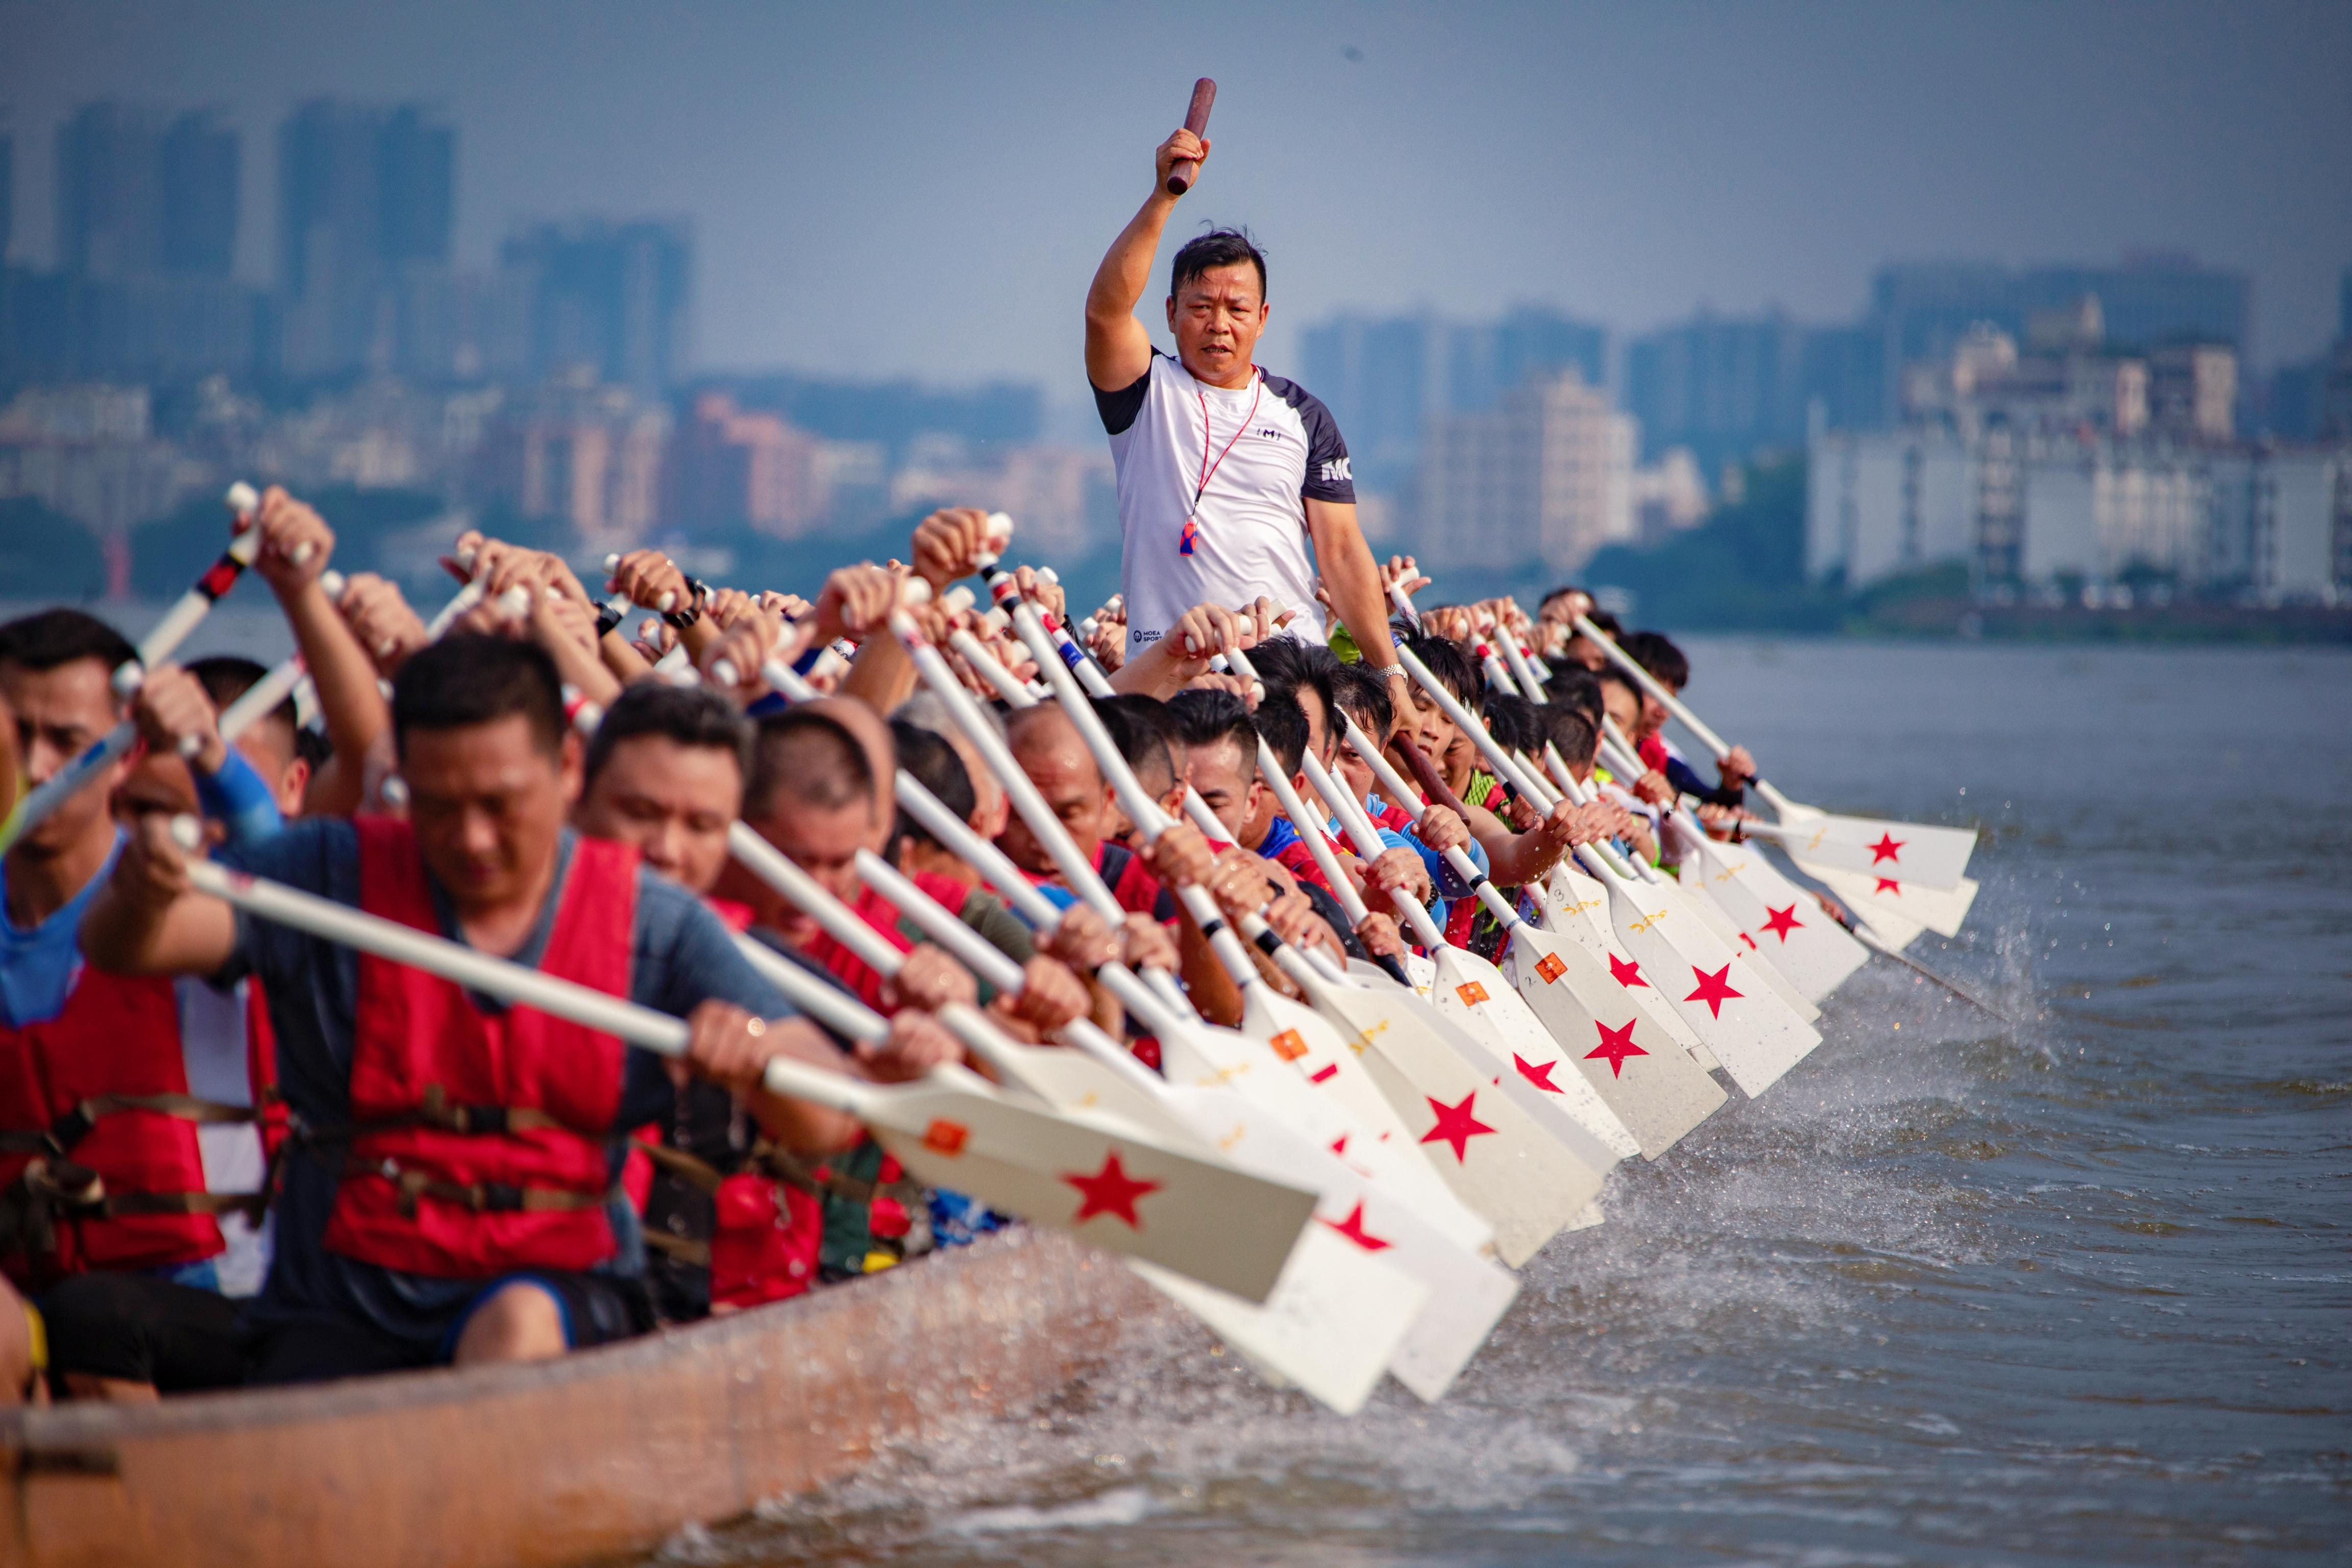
[(49, 639), (1140, 728), (1610, 674), (1364, 696), (1456, 668), (1286, 663), (692, 716), (1562, 592), (466, 679), (1207, 718), (1661, 658), (226, 676), (1282, 723), (1512, 720), (809, 759), (1218, 248), (1577, 736), (1576, 687), (1607, 623), (925, 756)]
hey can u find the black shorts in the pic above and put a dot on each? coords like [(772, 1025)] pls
[(597, 1309), (136, 1328)]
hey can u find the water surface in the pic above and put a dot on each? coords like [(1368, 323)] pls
[(1952, 1292)]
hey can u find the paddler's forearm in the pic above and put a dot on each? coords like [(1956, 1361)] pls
[(799, 1126), (350, 701), (1353, 580), (881, 676)]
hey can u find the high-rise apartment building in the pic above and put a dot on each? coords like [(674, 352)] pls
[(613, 296), (1544, 475), (1721, 385), (366, 199)]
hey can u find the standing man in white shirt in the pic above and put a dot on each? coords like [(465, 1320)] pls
[(1225, 473)]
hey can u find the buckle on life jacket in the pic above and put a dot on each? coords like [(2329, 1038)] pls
[(482, 1198)]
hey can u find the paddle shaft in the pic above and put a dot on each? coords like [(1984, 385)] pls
[(1674, 705), (510, 982), (161, 642)]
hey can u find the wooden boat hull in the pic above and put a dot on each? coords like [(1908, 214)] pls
[(605, 1452)]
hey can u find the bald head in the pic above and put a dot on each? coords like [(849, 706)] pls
[(1047, 746)]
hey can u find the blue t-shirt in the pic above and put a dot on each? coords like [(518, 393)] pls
[(682, 955), (37, 966)]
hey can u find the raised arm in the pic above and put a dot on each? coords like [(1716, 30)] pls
[(341, 670), (1119, 348)]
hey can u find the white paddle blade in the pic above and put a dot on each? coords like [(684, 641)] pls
[(1331, 1324), (1485, 1147), (1776, 916), (1467, 1293), (1728, 1004), (1067, 1079), (1691, 884), (1898, 911), (1639, 1070), (1914, 852), (1525, 1060), (1104, 1182), (1202, 1056)]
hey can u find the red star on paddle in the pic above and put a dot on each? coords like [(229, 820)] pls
[(1889, 885), (1714, 989), (1455, 1125), (1538, 1076), (1352, 1228), (1886, 848), (1628, 973), (1615, 1045), (1781, 923), (1110, 1191)]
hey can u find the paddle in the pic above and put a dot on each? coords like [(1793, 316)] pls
[(1698, 894), (162, 640), (1732, 1009), (1207, 1057), (1917, 852), (1501, 1163), (1636, 1067), (1507, 1035), (1296, 1034), (1329, 1342), (1097, 1178)]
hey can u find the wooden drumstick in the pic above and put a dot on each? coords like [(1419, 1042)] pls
[(1181, 175)]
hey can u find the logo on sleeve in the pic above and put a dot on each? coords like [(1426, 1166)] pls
[(1334, 472)]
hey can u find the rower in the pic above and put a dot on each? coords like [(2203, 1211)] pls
[(112, 1215), (1050, 751), (1654, 652), (1227, 475), (450, 1197)]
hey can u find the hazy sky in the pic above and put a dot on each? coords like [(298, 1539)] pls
[(887, 189)]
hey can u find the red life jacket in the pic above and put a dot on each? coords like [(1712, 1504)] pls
[(847, 966), (117, 1037), (481, 1144)]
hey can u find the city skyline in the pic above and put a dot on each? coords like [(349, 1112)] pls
[(927, 239)]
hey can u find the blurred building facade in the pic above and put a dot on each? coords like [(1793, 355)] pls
[(2078, 467), (1547, 474)]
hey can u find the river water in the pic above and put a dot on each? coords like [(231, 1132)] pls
[(2076, 1290)]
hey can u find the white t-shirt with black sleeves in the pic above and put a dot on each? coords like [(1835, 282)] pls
[(1271, 445)]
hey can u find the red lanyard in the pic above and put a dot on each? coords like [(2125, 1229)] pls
[(1209, 469)]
